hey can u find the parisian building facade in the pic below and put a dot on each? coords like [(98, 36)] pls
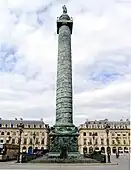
[(93, 136), (34, 134)]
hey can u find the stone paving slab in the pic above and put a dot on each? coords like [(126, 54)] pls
[(123, 163)]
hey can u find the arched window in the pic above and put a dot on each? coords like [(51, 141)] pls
[(114, 150), (102, 149), (126, 150), (97, 149), (84, 150), (30, 150)]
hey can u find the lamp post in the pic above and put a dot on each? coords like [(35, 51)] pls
[(107, 128), (93, 135), (20, 126), (117, 150), (34, 137)]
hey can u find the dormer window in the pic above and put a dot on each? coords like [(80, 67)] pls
[(0, 125), (11, 125), (34, 126)]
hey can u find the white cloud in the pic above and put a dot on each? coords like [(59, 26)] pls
[(100, 50)]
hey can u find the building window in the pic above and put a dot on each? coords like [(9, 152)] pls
[(43, 133), (34, 126), (84, 134), (13, 141), (6, 125), (25, 141), (8, 133), (113, 142), (28, 126), (102, 141), (118, 141), (2, 133), (14, 133), (0, 125), (11, 125), (90, 134), (37, 133), (113, 134), (1, 141), (124, 142), (37, 141), (124, 134), (90, 142), (31, 141), (128, 134), (96, 134), (7, 141), (42, 141), (84, 141), (40, 126), (96, 142)]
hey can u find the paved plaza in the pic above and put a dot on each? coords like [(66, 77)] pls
[(123, 164)]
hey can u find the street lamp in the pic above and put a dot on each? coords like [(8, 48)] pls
[(93, 135), (34, 137), (20, 126), (107, 128), (117, 150)]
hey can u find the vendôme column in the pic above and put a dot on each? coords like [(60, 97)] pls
[(64, 71)]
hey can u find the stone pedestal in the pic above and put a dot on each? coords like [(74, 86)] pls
[(64, 137)]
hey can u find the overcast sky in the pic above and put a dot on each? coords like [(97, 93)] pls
[(101, 58)]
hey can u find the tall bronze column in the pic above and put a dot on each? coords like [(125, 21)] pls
[(64, 71), (64, 133)]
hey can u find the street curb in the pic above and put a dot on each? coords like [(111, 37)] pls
[(77, 164)]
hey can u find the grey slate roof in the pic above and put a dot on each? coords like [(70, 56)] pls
[(25, 122), (106, 121)]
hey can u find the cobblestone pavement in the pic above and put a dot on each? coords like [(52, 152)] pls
[(123, 164)]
